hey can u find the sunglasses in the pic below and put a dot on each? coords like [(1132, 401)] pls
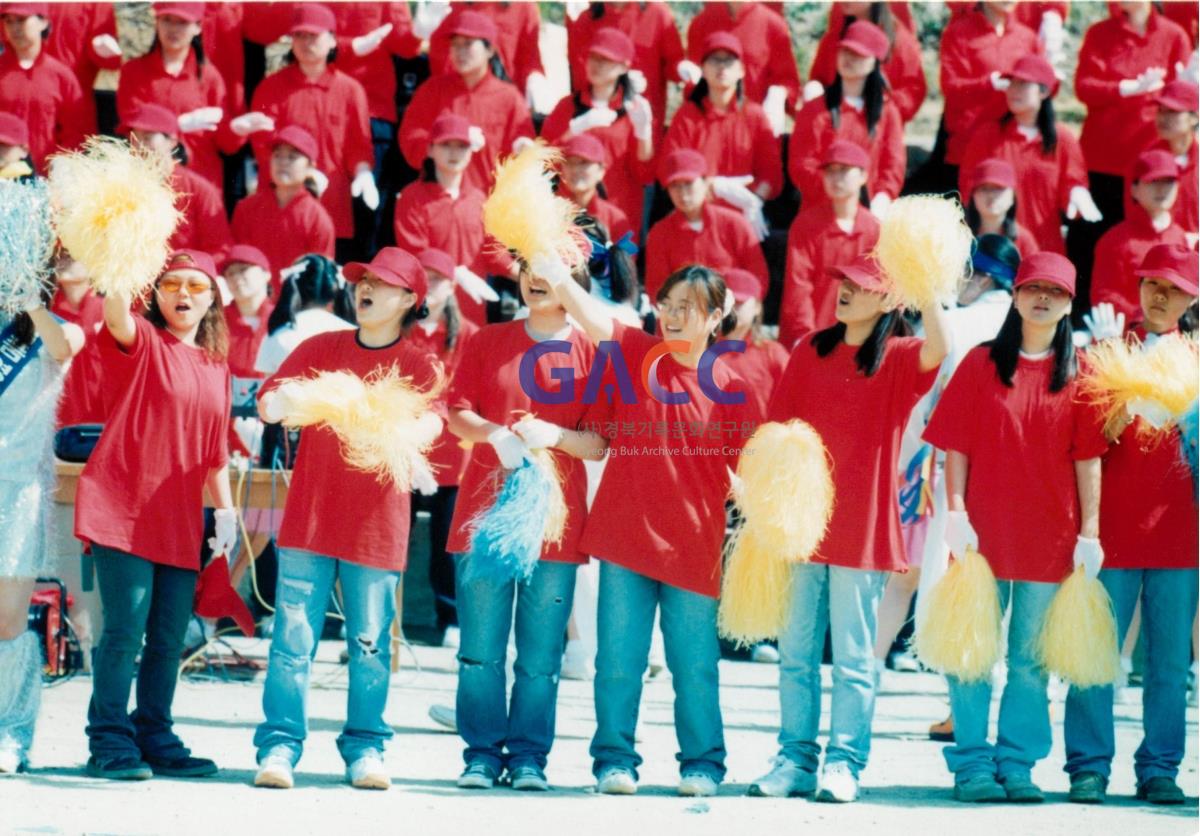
[(174, 284)]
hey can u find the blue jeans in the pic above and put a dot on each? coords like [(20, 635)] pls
[(301, 594), (846, 600), (625, 619), (1023, 730), (519, 733), (1168, 606)]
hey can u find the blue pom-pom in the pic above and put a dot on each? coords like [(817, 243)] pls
[(507, 539), (1188, 422), (26, 242)]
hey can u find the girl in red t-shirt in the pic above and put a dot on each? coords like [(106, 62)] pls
[(855, 383), (139, 507), (1023, 463)]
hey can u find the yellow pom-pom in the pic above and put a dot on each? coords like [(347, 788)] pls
[(1166, 374), (960, 635), (1079, 637), (924, 248), (114, 211), (755, 594)]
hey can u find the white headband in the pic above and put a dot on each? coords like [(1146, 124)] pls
[(730, 303)]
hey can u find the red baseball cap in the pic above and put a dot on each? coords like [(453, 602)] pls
[(684, 164), (993, 172), (439, 261), (191, 260), (471, 24), (191, 12), (844, 152), (1179, 95), (1155, 165), (865, 272), (298, 138), (1034, 68), (1046, 267), (245, 254), (25, 9), (450, 127), (396, 267), (312, 17), (13, 130), (865, 38), (612, 44), (743, 284), (151, 117), (587, 147), (726, 41), (1175, 263)]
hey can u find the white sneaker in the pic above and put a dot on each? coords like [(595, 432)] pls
[(786, 779), (275, 772), (764, 654), (368, 773), (445, 716), (575, 663), (10, 761), (450, 638), (616, 781), (697, 784), (838, 783)]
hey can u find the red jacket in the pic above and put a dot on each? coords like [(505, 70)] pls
[(1117, 128), (900, 10), (1119, 252), (1187, 204), (726, 240), (204, 226), (73, 26), (814, 131), (657, 46), (221, 32), (333, 108), (496, 107), (374, 71), (903, 69), (283, 233), (1027, 12), (265, 23), (736, 141), (1044, 181), (815, 244), (971, 51), (518, 26), (765, 38), (48, 99), (1187, 15)]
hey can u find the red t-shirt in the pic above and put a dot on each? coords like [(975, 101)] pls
[(449, 455), (204, 225), (903, 70), (142, 490), (734, 142), (82, 400), (47, 98), (518, 27), (1119, 253), (244, 339), (725, 240), (1021, 444), (757, 371), (283, 233), (488, 382), (814, 131), (860, 420), (333, 509)]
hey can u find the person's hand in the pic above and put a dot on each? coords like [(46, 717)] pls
[(689, 71), (736, 191), (998, 82), (637, 80), (368, 43), (758, 222), (200, 120), (225, 534), (775, 106), (106, 46), (538, 94), (423, 481), (363, 186), (812, 90), (597, 117), (1150, 411), (521, 143), (1089, 555), (880, 204), (280, 402), (641, 117), (538, 434), (474, 285), (1189, 72), (319, 180), (1050, 33), (251, 123), (960, 534), (476, 138), (1104, 322), (1081, 204), (429, 16), (550, 269), (1148, 81), (509, 447)]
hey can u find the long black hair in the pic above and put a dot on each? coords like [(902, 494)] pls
[(1005, 351), (699, 94), (624, 87), (1047, 123), (197, 48), (315, 286), (869, 356), (874, 89), (609, 264)]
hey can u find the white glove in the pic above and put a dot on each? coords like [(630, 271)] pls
[(538, 434), (1089, 555), (251, 123), (998, 83), (574, 8), (521, 143), (1152, 412), (775, 105), (319, 179), (960, 534), (363, 186), (736, 191), (1104, 322), (368, 43), (1050, 33), (1081, 204), (509, 447), (689, 71), (641, 117), (637, 80), (1148, 81), (597, 117), (423, 481), (757, 221), (813, 90), (550, 269), (225, 536), (106, 46), (427, 428), (476, 137), (279, 402), (880, 204), (429, 17), (538, 94), (1189, 72), (474, 286), (201, 119)]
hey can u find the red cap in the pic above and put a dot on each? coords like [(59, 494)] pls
[(844, 152), (1155, 165), (245, 254), (450, 127), (684, 164), (586, 146), (151, 117), (1034, 68), (865, 38), (1179, 95), (612, 44), (190, 260), (1176, 264), (439, 261), (865, 272), (994, 172), (298, 138), (1047, 267), (722, 40), (471, 24), (25, 9), (397, 267), (13, 130), (743, 284), (312, 17), (191, 12)]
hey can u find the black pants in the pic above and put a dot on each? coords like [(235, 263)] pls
[(441, 564), (1108, 190)]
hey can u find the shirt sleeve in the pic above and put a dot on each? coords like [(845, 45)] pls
[(796, 313), (783, 401), (952, 423), (463, 390), (768, 162), (295, 364), (218, 442), (889, 175), (1095, 83)]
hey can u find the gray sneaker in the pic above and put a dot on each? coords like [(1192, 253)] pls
[(979, 789), (528, 778), (786, 779), (478, 776), (1020, 789)]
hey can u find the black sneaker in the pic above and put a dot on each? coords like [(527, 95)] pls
[(1088, 788), (1160, 790), (184, 766), (121, 768)]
